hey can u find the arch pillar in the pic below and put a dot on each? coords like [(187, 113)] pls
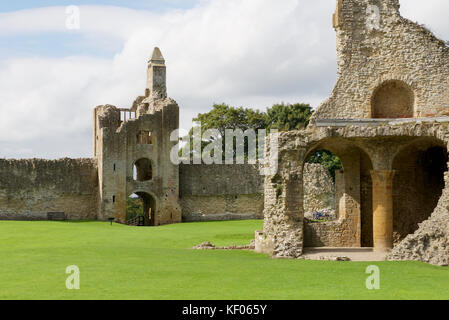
[(382, 209)]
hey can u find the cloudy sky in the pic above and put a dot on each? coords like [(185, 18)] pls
[(251, 53)]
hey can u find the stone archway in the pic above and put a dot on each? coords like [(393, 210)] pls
[(283, 233), (354, 227), (145, 207)]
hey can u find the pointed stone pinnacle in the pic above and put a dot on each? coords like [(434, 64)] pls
[(157, 56)]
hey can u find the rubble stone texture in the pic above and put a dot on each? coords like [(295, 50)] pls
[(30, 189), (220, 192), (430, 243), (385, 53), (319, 190)]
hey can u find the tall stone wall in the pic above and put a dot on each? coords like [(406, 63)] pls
[(220, 192), (376, 49), (30, 189)]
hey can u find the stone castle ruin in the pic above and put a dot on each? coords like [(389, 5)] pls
[(386, 119), (131, 158)]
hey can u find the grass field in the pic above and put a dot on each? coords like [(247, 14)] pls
[(120, 262)]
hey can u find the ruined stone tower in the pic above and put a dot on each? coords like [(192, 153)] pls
[(133, 147)]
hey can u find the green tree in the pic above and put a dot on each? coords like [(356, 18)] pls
[(283, 117), (328, 160), (223, 117), (287, 117)]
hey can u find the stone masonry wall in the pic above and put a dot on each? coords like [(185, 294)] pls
[(117, 150), (430, 243), (371, 54), (30, 189), (284, 232), (319, 190), (233, 192), (220, 192), (383, 58)]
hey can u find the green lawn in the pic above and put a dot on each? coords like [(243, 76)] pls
[(120, 262)]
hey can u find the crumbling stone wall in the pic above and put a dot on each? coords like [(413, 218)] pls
[(233, 192), (372, 52), (388, 67), (418, 184), (319, 190), (285, 232), (334, 234), (284, 204), (430, 243), (30, 189), (220, 192)]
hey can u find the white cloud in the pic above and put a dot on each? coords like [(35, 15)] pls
[(431, 13), (243, 52), (108, 20)]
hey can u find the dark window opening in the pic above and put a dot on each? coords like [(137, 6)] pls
[(145, 137), (143, 170)]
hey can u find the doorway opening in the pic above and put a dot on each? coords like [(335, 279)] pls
[(141, 209)]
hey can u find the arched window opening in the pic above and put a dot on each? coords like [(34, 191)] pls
[(392, 99), (323, 186), (143, 170)]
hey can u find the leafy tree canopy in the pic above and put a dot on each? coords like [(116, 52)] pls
[(283, 117), (328, 160), (223, 117), (287, 117)]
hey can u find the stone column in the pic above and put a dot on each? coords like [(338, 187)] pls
[(383, 209)]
